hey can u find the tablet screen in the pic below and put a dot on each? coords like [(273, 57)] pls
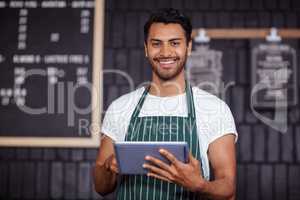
[(131, 155)]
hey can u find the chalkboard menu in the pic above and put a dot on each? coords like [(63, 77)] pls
[(274, 74), (47, 71)]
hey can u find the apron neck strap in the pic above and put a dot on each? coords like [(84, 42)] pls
[(138, 108), (189, 100)]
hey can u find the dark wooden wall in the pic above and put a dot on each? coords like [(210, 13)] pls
[(268, 161)]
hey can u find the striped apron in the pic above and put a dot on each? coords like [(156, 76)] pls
[(160, 128)]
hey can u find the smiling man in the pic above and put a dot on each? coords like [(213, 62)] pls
[(169, 109)]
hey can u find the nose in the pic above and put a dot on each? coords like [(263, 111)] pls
[(165, 51)]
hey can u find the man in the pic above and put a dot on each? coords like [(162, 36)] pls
[(169, 109)]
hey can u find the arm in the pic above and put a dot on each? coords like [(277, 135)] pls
[(221, 153), (105, 171)]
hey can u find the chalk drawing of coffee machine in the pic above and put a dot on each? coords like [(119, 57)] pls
[(204, 65)]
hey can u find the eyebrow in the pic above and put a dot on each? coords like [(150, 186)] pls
[(158, 40)]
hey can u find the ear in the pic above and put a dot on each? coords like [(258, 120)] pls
[(190, 47), (145, 48)]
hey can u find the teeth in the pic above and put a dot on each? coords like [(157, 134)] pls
[(167, 62)]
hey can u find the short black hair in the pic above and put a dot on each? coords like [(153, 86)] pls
[(167, 16)]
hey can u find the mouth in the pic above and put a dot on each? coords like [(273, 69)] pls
[(167, 63)]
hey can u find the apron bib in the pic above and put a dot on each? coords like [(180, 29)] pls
[(160, 128)]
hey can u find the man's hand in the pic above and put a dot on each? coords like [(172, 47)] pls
[(111, 164), (187, 175), (106, 169)]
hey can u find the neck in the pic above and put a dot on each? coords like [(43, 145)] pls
[(170, 87)]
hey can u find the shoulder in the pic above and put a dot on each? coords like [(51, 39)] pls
[(127, 101), (213, 114), (207, 100), (117, 116)]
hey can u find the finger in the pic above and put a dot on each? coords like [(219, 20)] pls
[(114, 169), (170, 157), (110, 161), (107, 163), (158, 171), (114, 161), (159, 163), (114, 165), (158, 176)]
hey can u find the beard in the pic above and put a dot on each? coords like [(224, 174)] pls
[(168, 74)]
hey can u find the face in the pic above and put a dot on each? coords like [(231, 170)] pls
[(167, 50)]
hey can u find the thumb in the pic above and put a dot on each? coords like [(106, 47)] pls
[(192, 159)]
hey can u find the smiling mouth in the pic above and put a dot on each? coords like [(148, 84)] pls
[(167, 63)]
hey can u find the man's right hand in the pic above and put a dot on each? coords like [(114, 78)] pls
[(111, 164), (106, 169)]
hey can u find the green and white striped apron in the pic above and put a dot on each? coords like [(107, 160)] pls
[(160, 128)]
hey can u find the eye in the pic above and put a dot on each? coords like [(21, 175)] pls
[(175, 43), (155, 44)]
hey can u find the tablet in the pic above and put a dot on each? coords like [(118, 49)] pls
[(131, 155)]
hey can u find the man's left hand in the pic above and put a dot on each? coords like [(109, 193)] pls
[(187, 175)]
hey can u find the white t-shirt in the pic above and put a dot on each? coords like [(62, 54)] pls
[(213, 116)]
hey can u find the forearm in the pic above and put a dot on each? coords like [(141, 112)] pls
[(104, 179), (218, 189)]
